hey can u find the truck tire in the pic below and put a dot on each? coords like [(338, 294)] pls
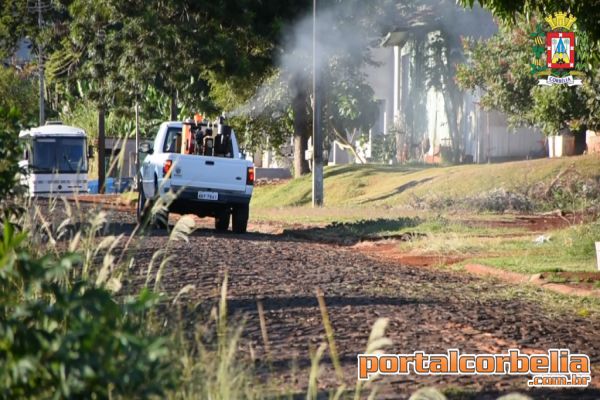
[(240, 218), (161, 219), (222, 220), (142, 206)]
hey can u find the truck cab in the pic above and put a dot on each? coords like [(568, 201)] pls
[(55, 160), (207, 183)]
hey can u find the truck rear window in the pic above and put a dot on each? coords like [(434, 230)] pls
[(172, 139)]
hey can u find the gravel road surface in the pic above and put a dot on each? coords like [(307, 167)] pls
[(429, 309)]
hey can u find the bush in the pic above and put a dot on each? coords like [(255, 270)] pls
[(71, 339), (500, 200), (383, 148), (10, 152), (20, 93), (18, 109), (569, 191), (581, 240), (497, 200)]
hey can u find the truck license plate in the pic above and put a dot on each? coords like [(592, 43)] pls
[(208, 196)]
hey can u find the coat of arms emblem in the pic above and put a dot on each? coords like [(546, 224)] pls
[(554, 61)]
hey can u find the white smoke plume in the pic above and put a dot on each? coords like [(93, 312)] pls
[(347, 30)]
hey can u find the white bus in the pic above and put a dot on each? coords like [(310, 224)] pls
[(55, 159)]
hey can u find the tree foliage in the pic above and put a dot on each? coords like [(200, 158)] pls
[(586, 11), (282, 105), (500, 68), (18, 110)]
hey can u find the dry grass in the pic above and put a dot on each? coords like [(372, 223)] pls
[(371, 186)]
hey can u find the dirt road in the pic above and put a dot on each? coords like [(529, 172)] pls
[(429, 309)]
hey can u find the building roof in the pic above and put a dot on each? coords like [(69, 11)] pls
[(53, 130), (395, 38), (433, 15)]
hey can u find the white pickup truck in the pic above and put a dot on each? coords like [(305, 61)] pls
[(206, 184)]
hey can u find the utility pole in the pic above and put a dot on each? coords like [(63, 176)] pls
[(101, 150), (137, 136), (317, 139), (41, 66), (38, 7)]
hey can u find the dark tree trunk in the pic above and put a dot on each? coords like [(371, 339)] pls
[(174, 110), (301, 128), (101, 149)]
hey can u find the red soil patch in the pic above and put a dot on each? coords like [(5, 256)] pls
[(506, 276), (586, 289), (575, 283), (390, 252), (581, 280), (576, 277), (537, 223)]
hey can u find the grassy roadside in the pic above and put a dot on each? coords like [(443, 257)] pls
[(569, 249), (370, 202), (368, 186)]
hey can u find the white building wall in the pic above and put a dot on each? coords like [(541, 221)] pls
[(481, 140), (501, 142), (381, 79), (437, 122)]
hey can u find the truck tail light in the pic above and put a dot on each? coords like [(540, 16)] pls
[(167, 167), (250, 176)]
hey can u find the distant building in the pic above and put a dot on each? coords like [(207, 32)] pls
[(120, 157), (119, 164), (22, 55), (420, 104)]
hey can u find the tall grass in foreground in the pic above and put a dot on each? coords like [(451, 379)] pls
[(68, 326), (213, 369), (217, 371)]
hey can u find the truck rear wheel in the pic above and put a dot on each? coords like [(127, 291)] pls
[(161, 219), (144, 207), (240, 218), (222, 220)]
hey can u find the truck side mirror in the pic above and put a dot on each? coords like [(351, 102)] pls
[(90, 151), (145, 148)]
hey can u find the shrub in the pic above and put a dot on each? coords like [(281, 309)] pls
[(18, 109), (581, 240), (500, 200), (497, 200), (10, 152), (71, 339), (570, 192)]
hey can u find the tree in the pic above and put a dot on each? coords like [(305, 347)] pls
[(94, 44), (17, 111), (504, 75), (350, 109), (586, 11), (18, 92), (254, 92)]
